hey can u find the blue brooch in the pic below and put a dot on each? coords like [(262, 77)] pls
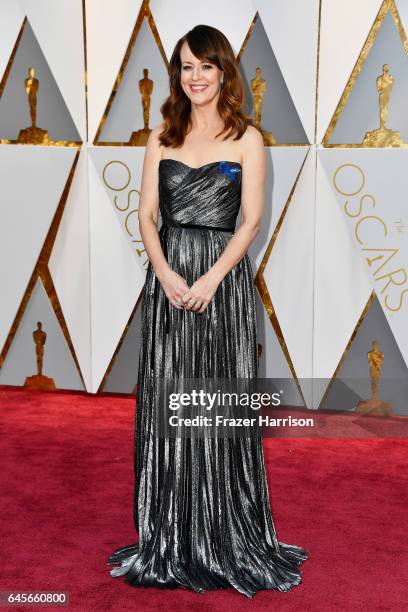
[(225, 168)]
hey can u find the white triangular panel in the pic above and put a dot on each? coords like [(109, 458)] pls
[(32, 180), (341, 285), (58, 27), (292, 29), (272, 361), (11, 20), (176, 18), (344, 28), (69, 266), (381, 224), (116, 278), (120, 169), (109, 26), (289, 273), (284, 165)]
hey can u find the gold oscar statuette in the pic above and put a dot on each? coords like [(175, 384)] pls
[(39, 381), (383, 136), (258, 88), (374, 406), (33, 134), (139, 138)]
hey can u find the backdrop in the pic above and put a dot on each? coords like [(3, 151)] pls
[(332, 255)]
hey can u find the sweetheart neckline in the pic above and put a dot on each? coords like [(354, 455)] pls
[(178, 161)]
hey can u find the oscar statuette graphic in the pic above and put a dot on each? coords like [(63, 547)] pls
[(33, 134), (374, 406), (146, 89), (383, 136), (258, 88), (39, 381)]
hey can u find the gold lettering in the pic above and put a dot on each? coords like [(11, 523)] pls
[(349, 214), (365, 219), (115, 199), (400, 304), (391, 275), (380, 256), (370, 261), (116, 161), (132, 212), (351, 192)]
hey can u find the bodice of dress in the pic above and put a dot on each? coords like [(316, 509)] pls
[(209, 195)]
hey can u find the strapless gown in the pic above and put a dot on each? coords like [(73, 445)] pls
[(201, 506)]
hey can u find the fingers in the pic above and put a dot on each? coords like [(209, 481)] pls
[(193, 304), (177, 298), (197, 304), (174, 301), (177, 304), (203, 307), (183, 299)]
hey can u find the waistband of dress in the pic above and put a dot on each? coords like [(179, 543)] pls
[(196, 226)]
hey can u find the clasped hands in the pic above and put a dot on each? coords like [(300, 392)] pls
[(181, 296)]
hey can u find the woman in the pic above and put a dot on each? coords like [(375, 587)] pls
[(201, 505)]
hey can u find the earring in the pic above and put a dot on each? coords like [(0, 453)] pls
[(221, 83)]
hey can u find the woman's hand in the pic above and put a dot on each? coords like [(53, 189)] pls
[(174, 286), (200, 293)]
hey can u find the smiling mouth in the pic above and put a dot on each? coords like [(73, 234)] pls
[(198, 88)]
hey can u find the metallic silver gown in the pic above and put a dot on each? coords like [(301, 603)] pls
[(201, 506)]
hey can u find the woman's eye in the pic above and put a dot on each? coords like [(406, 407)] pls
[(205, 66)]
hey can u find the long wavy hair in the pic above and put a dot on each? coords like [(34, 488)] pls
[(211, 45)]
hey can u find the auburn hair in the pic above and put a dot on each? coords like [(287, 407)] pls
[(207, 44)]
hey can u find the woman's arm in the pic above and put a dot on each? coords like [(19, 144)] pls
[(252, 205), (149, 204), (173, 284)]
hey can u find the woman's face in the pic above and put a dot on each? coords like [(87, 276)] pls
[(199, 79)]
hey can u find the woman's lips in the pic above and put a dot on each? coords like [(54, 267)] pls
[(198, 88)]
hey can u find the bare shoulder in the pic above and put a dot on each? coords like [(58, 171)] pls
[(253, 151), (153, 146), (252, 138), (153, 140)]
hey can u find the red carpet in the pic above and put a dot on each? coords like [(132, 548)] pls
[(67, 494)]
